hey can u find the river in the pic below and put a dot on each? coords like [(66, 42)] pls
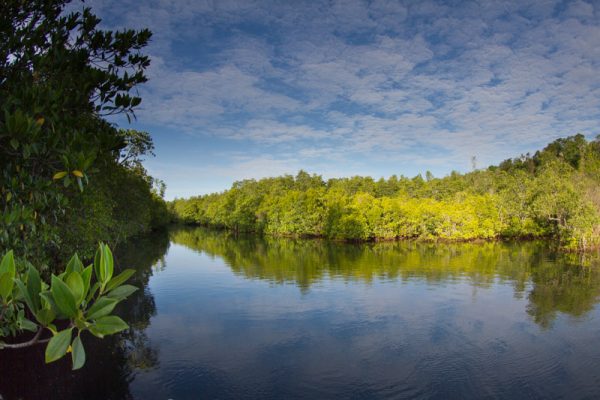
[(221, 316)]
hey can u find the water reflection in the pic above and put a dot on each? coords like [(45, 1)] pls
[(111, 362), (553, 282), (248, 317)]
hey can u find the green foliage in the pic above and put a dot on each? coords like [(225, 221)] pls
[(60, 76), (77, 300), (551, 194)]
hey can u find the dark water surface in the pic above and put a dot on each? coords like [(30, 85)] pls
[(224, 317)]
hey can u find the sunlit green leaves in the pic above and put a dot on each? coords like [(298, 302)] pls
[(108, 325), (103, 306), (63, 297), (70, 297), (75, 283), (7, 275), (120, 279), (122, 292), (58, 345)]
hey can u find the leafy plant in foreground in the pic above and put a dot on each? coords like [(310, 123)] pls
[(77, 300)]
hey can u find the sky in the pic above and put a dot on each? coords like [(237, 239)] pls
[(242, 89)]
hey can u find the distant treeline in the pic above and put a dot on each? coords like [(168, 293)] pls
[(554, 193)]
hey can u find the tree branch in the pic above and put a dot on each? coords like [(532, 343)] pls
[(35, 340)]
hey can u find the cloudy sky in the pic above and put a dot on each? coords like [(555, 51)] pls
[(246, 89)]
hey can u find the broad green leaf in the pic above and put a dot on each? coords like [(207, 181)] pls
[(78, 353), (28, 325), (93, 291), (7, 275), (6, 285), (109, 325), (103, 306), (8, 264), (63, 297), (75, 283), (98, 262), (34, 286), (45, 316), (122, 292), (119, 279), (96, 332), (86, 275), (47, 296), (25, 294), (58, 345), (74, 264), (108, 265)]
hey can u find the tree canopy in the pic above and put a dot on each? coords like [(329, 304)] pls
[(60, 77), (550, 194)]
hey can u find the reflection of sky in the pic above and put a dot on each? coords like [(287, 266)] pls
[(221, 334)]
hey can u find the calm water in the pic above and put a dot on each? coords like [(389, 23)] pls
[(229, 317)]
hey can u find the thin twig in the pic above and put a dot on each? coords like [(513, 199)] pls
[(35, 340)]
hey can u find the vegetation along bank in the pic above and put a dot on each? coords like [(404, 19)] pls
[(554, 193)]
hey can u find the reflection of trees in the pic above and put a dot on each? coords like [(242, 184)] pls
[(570, 289), (556, 282), (111, 361)]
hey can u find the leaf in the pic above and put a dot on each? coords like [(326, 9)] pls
[(98, 262), (108, 264), (28, 325), (7, 274), (63, 297), (34, 286), (6, 285), (108, 325), (120, 279), (47, 296), (122, 292), (59, 175), (58, 345), (103, 306), (77, 173), (45, 316), (93, 291), (75, 283), (74, 264), (25, 294), (8, 264), (78, 353), (40, 121), (86, 275)]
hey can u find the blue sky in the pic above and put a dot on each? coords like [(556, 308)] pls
[(246, 89)]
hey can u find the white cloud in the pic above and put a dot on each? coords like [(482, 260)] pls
[(380, 80)]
